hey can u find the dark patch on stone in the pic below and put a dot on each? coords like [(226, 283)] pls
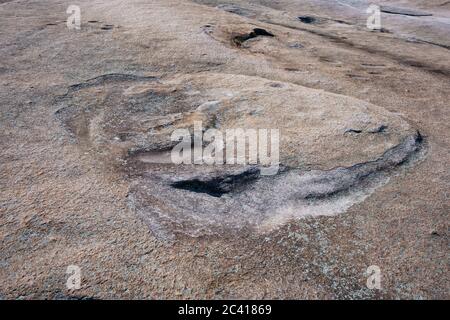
[(296, 45), (307, 19), (342, 22), (380, 129), (353, 131), (208, 28), (257, 32), (218, 186), (107, 27), (276, 85), (262, 32), (419, 137)]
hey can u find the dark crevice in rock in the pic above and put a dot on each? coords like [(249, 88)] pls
[(405, 12), (353, 131), (107, 27), (319, 20), (262, 32), (380, 129), (257, 32), (342, 22), (307, 19), (218, 186)]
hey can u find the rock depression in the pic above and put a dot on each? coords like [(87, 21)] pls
[(334, 150)]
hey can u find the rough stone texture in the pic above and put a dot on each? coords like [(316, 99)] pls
[(86, 114)]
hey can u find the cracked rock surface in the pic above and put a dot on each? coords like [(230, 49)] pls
[(87, 116)]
